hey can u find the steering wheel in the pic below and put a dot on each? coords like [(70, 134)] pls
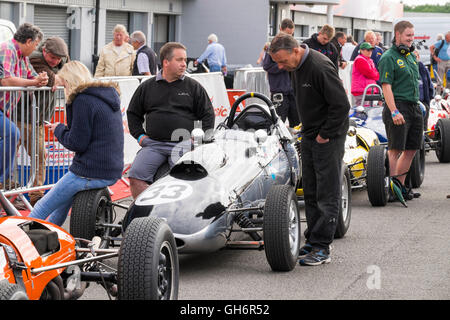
[(273, 114)]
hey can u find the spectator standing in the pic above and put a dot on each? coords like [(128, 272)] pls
[(50, 57), (94, 132), (443, 57), (402, 116), (280, 82), (321, 42), (433, 62), (263, 53), (347, 49), (339, 40), (215, 55), (364, 73), (165, 103), (379, 41), (426, 87), (117, 57), (15, 71), (145, 62), (371, 38), (323, 106)]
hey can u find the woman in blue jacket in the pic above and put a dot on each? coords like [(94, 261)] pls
[(94, 132)]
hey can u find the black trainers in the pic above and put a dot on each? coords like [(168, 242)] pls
[(316, 257), (307, 248)]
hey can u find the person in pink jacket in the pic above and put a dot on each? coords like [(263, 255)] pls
[(364, 73)]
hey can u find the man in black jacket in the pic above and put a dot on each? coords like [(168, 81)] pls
[(339, 40), (323, 107), (169, 104), (280, 82), (322, 42)]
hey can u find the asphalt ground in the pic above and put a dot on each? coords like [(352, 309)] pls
[(388, 253)]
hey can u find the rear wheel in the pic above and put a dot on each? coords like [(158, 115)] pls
[(91, 209), (443, 138), (281, 228), (416, 173), (148, 261), (378, 176)]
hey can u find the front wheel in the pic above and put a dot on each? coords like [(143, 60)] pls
[(443, 137), (281, 228), (148, 261), (378, 176), (345, 210)]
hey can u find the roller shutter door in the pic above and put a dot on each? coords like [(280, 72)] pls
[(52, 21), (112, 19)]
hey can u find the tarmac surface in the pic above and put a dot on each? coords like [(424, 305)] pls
[(388, 253)]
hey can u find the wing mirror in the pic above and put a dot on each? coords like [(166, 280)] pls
[(260, 136)]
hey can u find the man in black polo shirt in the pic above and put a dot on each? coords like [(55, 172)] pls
[(323, 106), (145, 62), (402, 116), (169, 104)]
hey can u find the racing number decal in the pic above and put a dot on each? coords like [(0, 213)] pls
[(165, 193)]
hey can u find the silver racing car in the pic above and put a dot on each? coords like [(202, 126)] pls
[(244, 179)]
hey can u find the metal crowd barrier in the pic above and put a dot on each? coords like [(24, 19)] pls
[(252, 79), (31, 157)]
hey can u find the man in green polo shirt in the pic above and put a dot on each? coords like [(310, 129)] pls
[(402, 116)]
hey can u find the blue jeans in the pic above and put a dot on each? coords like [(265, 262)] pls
[(58, 201), (215, 68), (9, 137)]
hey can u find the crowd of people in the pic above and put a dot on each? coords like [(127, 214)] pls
[(305, 73), (312, 74), (94, 120)]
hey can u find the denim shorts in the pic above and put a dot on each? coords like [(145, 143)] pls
[(409, 135)]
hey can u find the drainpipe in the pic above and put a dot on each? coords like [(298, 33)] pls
[(97, 16)]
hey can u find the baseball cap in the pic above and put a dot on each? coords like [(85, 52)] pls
[(57, 46), (365, 46)]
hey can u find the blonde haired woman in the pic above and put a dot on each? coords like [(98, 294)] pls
[(117, 57), (94, 132)]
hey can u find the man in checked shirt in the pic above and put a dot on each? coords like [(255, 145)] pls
[(15, 71)]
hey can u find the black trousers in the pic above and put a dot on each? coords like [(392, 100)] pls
[(321, 178)]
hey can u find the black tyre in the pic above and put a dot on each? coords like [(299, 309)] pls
[(443, 140), (12, 291), (91, 209), (281, 228), (416, 173), (345, 210), (378, 176), (148, 262)]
